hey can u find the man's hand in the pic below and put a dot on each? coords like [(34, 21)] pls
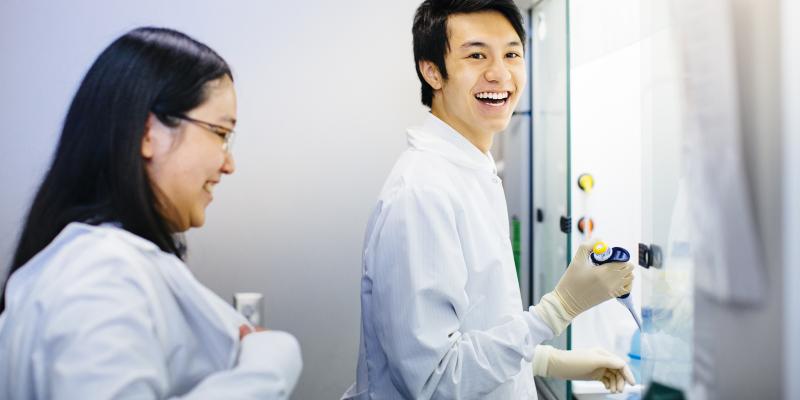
[(583, 286), (583, 364)]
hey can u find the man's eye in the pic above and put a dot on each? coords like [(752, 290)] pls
[(513, 55), (477, 56)]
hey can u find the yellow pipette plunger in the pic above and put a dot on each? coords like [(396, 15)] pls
[(601, 251)]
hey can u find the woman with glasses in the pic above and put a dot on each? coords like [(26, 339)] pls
[(99, 303)]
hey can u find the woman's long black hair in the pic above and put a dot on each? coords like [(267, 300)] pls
[(97, 174)]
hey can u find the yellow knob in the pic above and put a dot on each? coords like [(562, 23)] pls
[(586, 182), (599, 248)]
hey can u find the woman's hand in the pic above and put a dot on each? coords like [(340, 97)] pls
[(245, 330)]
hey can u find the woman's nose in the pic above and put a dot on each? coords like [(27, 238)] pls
[(229, 166)]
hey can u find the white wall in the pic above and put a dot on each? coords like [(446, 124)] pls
[(606, 142), (325, 90)]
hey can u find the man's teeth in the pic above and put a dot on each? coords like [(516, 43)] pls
[(492, 95)]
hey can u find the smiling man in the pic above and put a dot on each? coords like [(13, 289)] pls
[(441, 310)]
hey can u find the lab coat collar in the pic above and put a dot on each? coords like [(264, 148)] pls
[(24, 277), (438, 137), (134, 240)]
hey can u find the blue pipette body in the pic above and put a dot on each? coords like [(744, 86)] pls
[(616, 254)]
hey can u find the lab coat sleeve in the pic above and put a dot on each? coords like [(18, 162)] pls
[(100, 342), (268, 368), (419, 280)]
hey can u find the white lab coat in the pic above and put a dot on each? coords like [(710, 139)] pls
[(441, 310), (101, 313)]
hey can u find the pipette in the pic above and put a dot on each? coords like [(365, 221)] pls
[(602, 254)]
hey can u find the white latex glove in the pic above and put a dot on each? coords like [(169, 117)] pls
[(583, 365), (583, 286)]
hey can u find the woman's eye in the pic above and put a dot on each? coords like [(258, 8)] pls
[(222, 133), (477, 56), (513, 55)]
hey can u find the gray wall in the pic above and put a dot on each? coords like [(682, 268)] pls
[(745, 344), (325, 90)]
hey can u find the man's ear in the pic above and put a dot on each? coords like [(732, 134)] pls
[(148, 137), (430, 72)]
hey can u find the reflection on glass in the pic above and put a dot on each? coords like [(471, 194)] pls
[(667, 289)]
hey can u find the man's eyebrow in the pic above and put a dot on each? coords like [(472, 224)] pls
[(478, 43), (474, 43)]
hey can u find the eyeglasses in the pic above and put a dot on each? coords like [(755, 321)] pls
[(226, 134)]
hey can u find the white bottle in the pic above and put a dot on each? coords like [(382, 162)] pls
[(249, 304)]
